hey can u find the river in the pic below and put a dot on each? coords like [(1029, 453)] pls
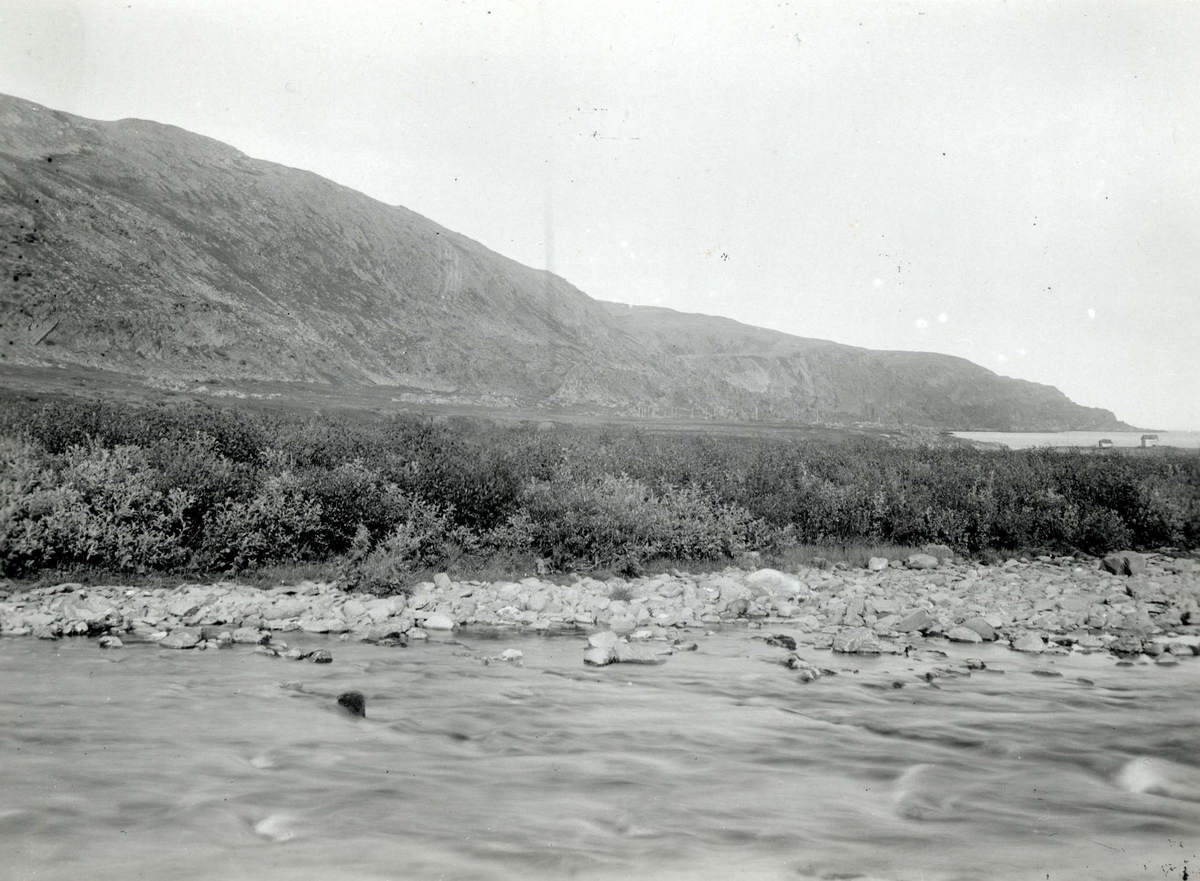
[(145, 763)]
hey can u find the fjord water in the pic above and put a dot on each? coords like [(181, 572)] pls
[(1023, 440), (146, 763)]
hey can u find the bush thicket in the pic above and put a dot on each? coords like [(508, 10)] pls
[(194, 487)]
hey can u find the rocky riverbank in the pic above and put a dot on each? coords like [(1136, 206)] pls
[(1127, 604)]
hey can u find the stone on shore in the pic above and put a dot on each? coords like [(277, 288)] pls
[(438, 621), (921, 561), (963, 634), (985, 630), (323, 625), (877, 564), (856, 641), (1029, 642), (110, 642), (1124, 563), (919, 620), (251, 636)]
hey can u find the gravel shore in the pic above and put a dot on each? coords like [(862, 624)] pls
[(1043, 605)]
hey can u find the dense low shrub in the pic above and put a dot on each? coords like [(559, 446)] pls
[(95, 506), (123, 487), (618, 521)]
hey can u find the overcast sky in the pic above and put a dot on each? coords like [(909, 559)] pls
[(1017, 183)]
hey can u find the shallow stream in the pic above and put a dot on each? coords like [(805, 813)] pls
[(145, 763)]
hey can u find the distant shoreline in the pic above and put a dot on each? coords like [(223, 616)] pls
[(1018, 440)]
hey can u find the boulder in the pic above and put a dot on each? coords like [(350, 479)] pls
[(774, 581), (323, 625), (1129, 644), (877, 564), (983, 628), (913, 622), (605, 639), (442, 581), (321, 656), (1124, 563), (511, 655), (353, 703), (599, 656), (942, 552), (808, 672), (782, 640), (179, 639), (438, 621), (856, 641), (963, 634), (391, 632), (250, 636), (921, 561), (1029, 642), (110, 642), (637, 654)]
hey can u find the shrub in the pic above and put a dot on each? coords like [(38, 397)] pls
[(121, 486), (425, 537), (618, 521), (277, 523), (101, 507)]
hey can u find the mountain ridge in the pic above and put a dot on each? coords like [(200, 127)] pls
[(143, 248)]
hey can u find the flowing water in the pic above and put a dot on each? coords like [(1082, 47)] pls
[(147, 763)]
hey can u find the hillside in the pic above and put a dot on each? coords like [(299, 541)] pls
[(141, 248)]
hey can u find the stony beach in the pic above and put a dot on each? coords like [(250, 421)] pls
[(1130, 605)]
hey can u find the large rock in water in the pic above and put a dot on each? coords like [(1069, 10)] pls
[(353, 702), (179, 639), (1129, 644), (605, 639), (599, 656), (1029, 642), (1124, 563), (856, 641), (637, 654), (438, 621), (963, 634)]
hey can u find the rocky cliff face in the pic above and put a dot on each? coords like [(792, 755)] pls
[(142, 248)]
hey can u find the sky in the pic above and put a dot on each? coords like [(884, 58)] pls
[(1017, 183)]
